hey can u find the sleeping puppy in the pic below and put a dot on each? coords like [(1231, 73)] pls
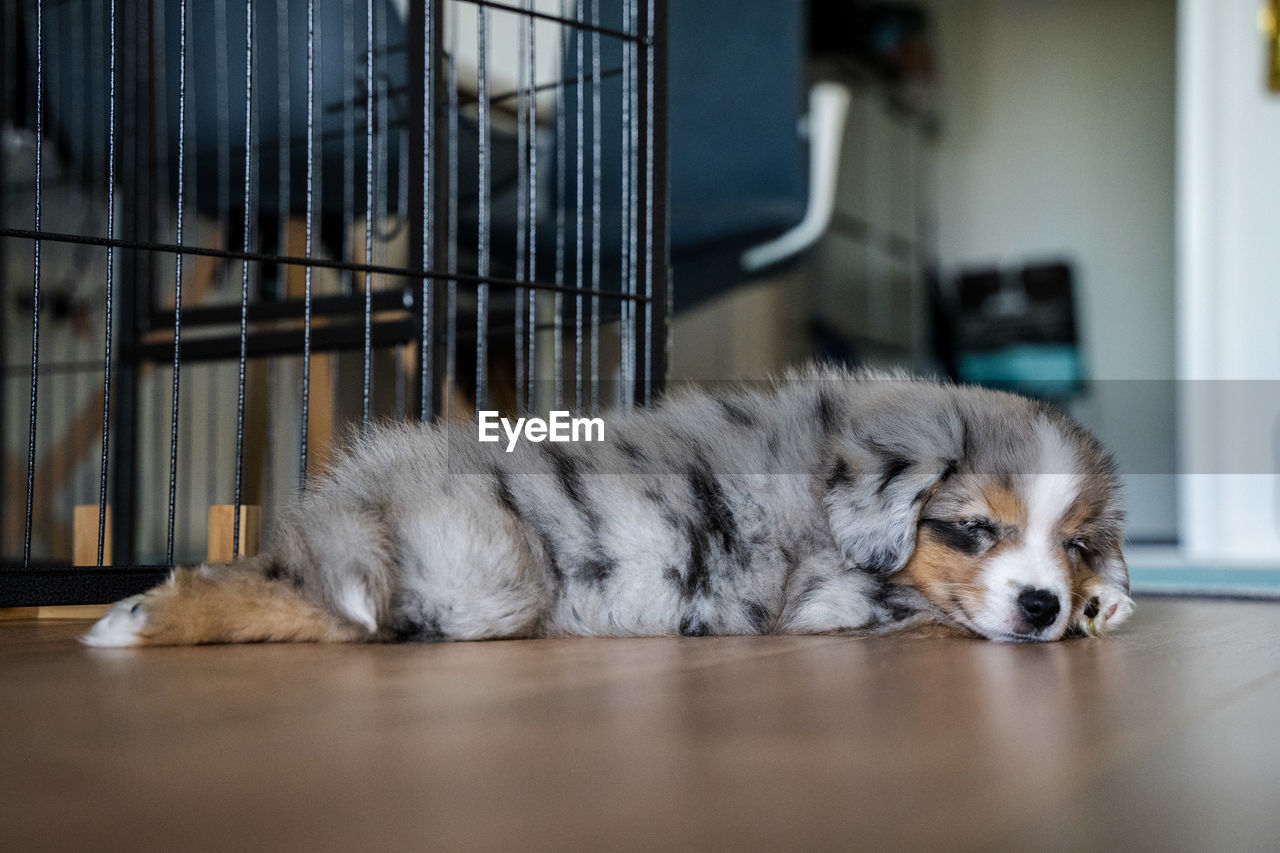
[(826, 502)]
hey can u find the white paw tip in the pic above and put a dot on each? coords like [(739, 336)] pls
[(1115, 607), (1120, 610), (355, 603), (120, 627)]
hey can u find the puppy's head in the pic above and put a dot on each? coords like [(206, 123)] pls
[(1003, 513)]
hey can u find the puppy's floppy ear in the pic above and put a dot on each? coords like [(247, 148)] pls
[(877, 487)]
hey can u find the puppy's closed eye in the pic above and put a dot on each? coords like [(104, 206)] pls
[(1078, 550), (968, 536)]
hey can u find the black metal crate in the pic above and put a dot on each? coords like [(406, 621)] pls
[(230, 232)]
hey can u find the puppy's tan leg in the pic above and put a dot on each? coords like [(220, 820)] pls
[(220, 604)]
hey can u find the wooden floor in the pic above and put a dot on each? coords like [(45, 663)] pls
[(1166, 737)]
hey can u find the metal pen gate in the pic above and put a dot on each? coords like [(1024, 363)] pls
[(229, 230)]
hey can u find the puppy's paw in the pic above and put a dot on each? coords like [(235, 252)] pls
[(1107, 606), (121, 626)]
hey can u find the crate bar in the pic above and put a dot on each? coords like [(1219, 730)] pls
[(60, 368), (154, 495), (482, 230), (633, 181), (305, 405), (494, 100), (659, 294), (421, 121), (626, 198), (222, 95), (8, 59), (652, 274), (644, 200), (35, 288), (595, 206), (222, 136), (370, 116), (400, 403), (348, 336), (437, 204), (51, 350), (451, 304), (110, 284), (549, 86), (198, 83), (177, 286), (244, 271), (194, 315), (284, 188), (522, 194), (562, 18), (288, 309), (531, 115), (345, 336), (579, 163), (284, 152), (138, 203), (348, 136), (561, 193)]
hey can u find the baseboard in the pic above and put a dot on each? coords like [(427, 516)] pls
[(70, 611)]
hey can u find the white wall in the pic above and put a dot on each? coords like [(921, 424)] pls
[(1229, 283), (1058, 141)]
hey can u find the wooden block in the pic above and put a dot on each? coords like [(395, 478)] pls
[(84, 535), (222, 531)]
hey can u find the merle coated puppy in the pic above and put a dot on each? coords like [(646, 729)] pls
[(826, 501)]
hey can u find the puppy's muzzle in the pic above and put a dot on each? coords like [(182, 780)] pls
[(1039, 607)]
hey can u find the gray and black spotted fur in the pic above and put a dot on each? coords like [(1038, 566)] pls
[(788, 508), (785, 509)]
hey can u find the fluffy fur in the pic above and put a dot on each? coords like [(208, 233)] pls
[(826, 501)]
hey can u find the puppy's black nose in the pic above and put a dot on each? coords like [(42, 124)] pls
[(1040, 606)]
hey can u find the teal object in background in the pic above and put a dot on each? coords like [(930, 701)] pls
[(1042, 370), (1207, 581)]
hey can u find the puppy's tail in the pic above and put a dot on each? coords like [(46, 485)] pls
[(236, 603)]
